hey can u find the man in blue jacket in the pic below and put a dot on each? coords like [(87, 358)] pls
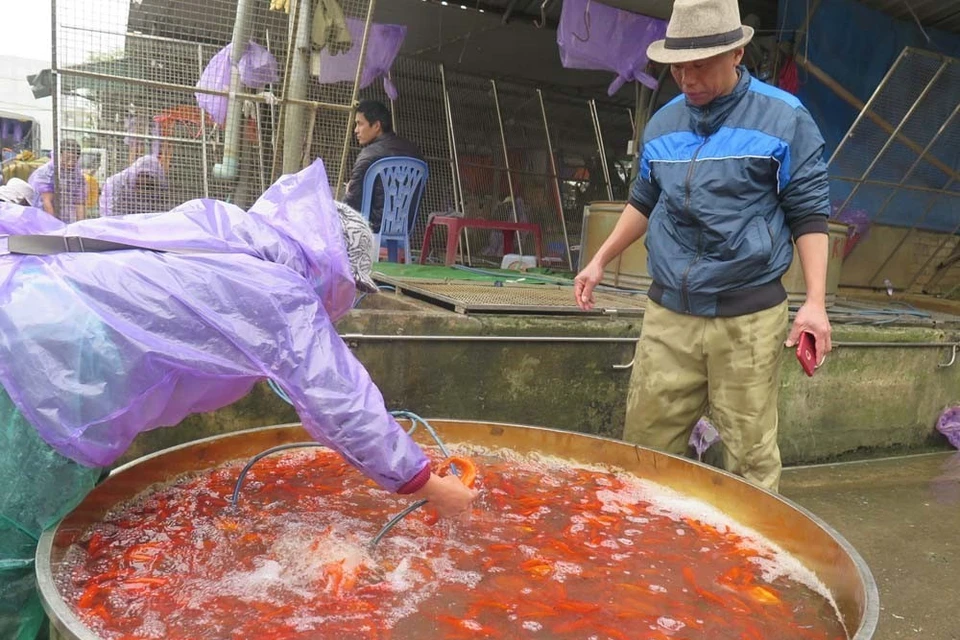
[(731, 176)]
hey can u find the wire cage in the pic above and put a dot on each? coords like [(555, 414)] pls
[(897, 166), (165, 110)]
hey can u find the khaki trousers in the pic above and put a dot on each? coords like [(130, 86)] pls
[(685, 364)]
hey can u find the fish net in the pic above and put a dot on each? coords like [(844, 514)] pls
[(30, 502)]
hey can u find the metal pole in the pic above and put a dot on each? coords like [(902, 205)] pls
[(308, 141), (455, 167), (203, 130), (275, 166), (595, 116), (180, 88), (907, 175), (369, 337), (55, 95), (458, 198), (353, 99), (506, 160), (393, 107), (124, 134), (893, 136), (297, 86), (866, 108), (556, 179), (263, 177)]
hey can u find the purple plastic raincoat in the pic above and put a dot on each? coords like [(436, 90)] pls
[(96, 348), (592, 35), (73, 188), (119, 196)]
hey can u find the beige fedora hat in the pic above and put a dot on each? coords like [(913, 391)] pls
[(700, 29)]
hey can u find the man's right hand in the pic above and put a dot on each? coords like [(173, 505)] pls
[(585, 282), (447, 495)]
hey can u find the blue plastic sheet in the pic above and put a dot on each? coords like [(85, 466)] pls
[(856, 46), (96, 348)]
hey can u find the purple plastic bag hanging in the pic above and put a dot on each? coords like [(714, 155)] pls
[(258, 68), (383, 45), (703, 436), (594, 36), (949, 425)]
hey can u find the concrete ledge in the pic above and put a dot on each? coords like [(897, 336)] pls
[(865, 401)]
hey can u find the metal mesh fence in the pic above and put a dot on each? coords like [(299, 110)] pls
[(165, 112), (898, 165), (153, 137), (580, 167), (419, 114)]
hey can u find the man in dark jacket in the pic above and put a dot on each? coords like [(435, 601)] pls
[(731, 176), (374, 131)]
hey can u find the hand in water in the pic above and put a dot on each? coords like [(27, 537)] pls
[(447, 495)]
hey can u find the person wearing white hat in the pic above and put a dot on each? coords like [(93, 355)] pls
[(16, 191), (731, 176)]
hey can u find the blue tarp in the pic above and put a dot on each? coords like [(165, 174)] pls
[(856, 46)]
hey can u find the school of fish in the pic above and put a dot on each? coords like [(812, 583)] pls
[(552, 550)]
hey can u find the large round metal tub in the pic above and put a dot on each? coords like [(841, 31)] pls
[(794, 529)]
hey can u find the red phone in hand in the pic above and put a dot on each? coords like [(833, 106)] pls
[(807, 352)]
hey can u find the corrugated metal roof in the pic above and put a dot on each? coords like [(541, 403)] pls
[(938, 14)]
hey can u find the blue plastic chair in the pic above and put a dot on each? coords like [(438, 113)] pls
[(403, 182)]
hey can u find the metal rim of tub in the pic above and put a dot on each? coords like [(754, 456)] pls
[(72, 628)]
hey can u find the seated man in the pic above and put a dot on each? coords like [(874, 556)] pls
[(374, 131)]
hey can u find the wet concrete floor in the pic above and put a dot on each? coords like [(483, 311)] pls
[(903, 516)]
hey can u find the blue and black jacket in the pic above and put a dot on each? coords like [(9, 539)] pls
[(725, 187)]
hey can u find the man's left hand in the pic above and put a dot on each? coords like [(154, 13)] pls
[(812, 318)]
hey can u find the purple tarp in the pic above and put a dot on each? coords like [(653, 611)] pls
[(96, 348), (383, 45), (594, 36), (258, 68)]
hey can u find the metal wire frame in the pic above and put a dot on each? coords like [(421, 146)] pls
[(147, 57), (894, 153), (479, 156)]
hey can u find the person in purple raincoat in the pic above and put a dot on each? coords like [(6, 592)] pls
[(70, 205), (140, 188), (98, 347)]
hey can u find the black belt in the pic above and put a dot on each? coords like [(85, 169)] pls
[(36, 245)]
